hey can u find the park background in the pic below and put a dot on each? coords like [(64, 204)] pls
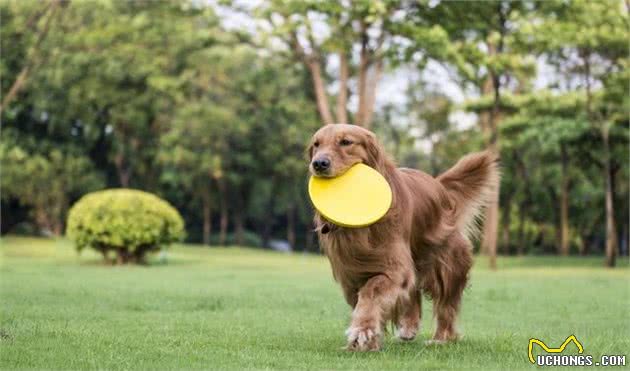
[(210, 105)]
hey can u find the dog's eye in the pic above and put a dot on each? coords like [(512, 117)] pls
[(316, 144), (345, 142)]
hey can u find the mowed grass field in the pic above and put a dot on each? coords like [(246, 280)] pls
[(237, 308)]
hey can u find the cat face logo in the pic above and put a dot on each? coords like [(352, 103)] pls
[(560, 349)]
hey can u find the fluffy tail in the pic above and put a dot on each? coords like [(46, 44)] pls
[(472, 184)]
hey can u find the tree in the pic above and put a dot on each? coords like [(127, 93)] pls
[(430, 111), (193, 153), (40, 20), (45, 177), (587, 42), (549, 122), (196, 144), (242, 120), (477, 42), (163, 96), (269, 173), (354, 35), (107, 78)]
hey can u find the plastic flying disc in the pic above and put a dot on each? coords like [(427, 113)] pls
[(357, 198)]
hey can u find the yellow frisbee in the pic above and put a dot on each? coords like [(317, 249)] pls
[(357, 198)]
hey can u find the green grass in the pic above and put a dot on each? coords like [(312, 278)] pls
[(233, 308)]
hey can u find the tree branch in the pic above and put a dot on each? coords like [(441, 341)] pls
[(31, 57), (313, 63), (320, 91)]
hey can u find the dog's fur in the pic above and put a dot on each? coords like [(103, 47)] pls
[(421, 246)]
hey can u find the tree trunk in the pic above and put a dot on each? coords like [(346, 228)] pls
[(491, 226), (58, 228), (484, 116), (370, 98), (312, 61), (320, 91), (520, 248), (582, 245), (594, 117), (505, 233), (240, 206), (103, 252), (492, 222), (223, 222), (43, 220), (123, 170), (207, 215), (122, 256), (268, 222), (491, 229), (586, 234), (291, 225), (522, 237), (362, 80), (624, 240), (611, 229), (342, 97), (239, 228), (484, 122), (564, 202), (433, 160), (557, 228)]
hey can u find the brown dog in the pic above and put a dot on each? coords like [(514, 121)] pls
[(420, 246)]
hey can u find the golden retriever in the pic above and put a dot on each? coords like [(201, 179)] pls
[(421, 246)]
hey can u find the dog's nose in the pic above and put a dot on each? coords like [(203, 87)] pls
[(321, 164)]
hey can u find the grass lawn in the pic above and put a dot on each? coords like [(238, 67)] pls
[(233, 308)]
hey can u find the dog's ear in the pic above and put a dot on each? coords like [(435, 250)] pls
[(308, 153), (376, 156)]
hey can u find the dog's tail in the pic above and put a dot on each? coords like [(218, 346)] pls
[(472, 184)]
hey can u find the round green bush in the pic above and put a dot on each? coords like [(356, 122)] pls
[(127, 222)]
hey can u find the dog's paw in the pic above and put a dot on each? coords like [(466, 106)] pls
[(406, 333), (363, 339)]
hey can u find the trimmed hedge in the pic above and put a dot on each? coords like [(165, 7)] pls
[(127, 222)]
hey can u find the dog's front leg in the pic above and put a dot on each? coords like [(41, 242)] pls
[(376, 299)]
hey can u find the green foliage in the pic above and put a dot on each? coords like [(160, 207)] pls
[(472, 37), (170, 97), (46, 179), (128, 222), (546, 120)]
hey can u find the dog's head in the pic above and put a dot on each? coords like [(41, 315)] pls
[(335, 148)]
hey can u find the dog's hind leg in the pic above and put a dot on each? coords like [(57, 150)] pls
[(446, 316), (409, 315), (448, 283)]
